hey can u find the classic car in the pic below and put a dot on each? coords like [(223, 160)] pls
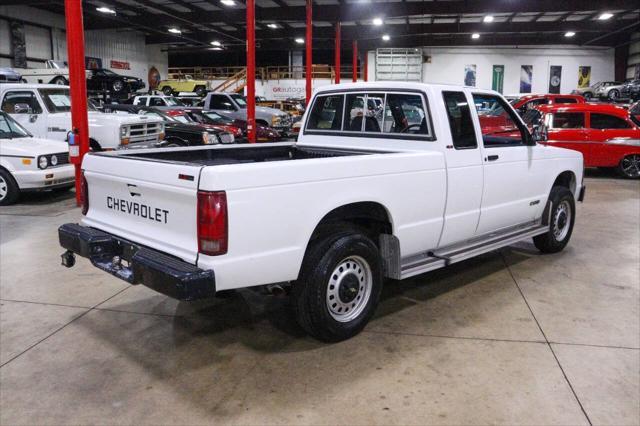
[(606, 135), (54, 72), (591, 91), (8, 75), (612, 92), (264, 133), (104, 79), (631, 90), (186, 84)]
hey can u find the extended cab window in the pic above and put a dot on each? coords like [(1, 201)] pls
[(405, 113), (462, 130), (606, 121), (326, 113), (567, 120), (498, 122), (353, 113), (221, 102), (28, 98)]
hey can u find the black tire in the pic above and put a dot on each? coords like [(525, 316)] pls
[(201, 91), (613, 95), (629, 167), (9, 190), (168, 91), (60, 80), (588, 95), (118, 86), (560, 224), (319, 281)]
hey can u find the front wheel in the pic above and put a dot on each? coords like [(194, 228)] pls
[(339, 286), (168, 91), (629, 166), (614, 95), (118, 86), (561, 221), (60, 81), (588, 95), (201, 91), (9, 190)]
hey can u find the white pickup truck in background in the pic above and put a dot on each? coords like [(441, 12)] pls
[(54, 72), (45, 111), (417, 183)]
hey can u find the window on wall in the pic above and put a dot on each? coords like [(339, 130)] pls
[(326, 113), (498, 122), (460, 122), (606, 121)]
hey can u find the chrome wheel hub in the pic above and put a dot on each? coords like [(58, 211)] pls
[(631, 165), (4, 190), (562, 221), (349, 288)]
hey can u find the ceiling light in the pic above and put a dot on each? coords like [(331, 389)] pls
[(175, 31), (272, 26), (377, 21), (228, 2), (300, 40), (488, 19), (386, 37), (216, 43), (569, 34), (605, 16), (216, 48), (104, 9), (475, 36)]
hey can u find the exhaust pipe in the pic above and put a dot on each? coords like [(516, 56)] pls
[(68, 259), (275, 290)]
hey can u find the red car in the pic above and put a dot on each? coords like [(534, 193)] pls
[(184, 116), (263, 133), (607, 135)]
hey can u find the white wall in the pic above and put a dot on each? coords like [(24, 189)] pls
[(447, 65)]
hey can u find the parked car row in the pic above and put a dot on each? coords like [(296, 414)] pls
[(612, 90)]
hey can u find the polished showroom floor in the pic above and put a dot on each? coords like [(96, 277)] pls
[(512, 337)]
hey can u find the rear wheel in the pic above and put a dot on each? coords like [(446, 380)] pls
[(560, 223), (614, 95), (9, 190), (588, 95), (339, 286), (168, 91), (629, 166), (118, 85), (60, 80), (201, 91)]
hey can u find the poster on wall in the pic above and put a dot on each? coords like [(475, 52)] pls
[(153, 77), (555, 78), (584, 76), (526, 78), (470, 75), (91, 63), (497, 82), (18, 47)]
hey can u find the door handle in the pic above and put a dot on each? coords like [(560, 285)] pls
[(493, 157)]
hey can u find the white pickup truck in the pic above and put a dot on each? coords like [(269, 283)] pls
[(54, 72), (45, 111), (360, 197)]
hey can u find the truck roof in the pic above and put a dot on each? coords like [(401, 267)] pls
[(32, 86), (394, 85)]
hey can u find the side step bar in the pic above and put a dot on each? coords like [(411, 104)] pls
[(432, 260)]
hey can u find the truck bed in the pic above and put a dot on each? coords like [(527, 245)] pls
[(207, 156)]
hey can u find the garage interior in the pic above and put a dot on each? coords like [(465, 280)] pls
[(509, 337)]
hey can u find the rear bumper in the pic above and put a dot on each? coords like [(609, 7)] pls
[(158, 271)]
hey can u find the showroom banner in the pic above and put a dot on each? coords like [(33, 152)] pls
[(470, 75), (584, 76), (526, 77), (497, 82), (92, 63), (555, 78)]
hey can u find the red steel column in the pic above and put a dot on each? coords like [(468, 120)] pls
[(78, 82), (355, 60), (251, 71), (309, 45), (338, 44), (365, 66)]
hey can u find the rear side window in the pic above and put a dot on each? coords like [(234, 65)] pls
[(567, 120), (27, 98), (405, 113), (221, 102), (460, 122), (326, 113), (353, 113), (566, 101), (606, 121)]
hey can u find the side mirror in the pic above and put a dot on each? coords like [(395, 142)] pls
[(540, 133), (22, 109)]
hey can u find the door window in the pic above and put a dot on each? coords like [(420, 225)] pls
[(606, 121), (11, 99), (498, 122), (532, 104), (405, 113), (141, 101), (326, 113), (460, 122), (567, 120), (156, 102), (221, 102)]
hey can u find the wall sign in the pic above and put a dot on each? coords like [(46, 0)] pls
[(470, 75), (584, 76), (18, 47), (120, 65), (526, 78), (497, 82), (555, 78), (91, 63)]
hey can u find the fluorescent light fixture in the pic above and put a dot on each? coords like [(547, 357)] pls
[(300, 40), (104, 9), (377, 21), (175, 31), (386, 37), (216, 43), (272, 26), (569, 34), (216, 48), (488, 19), (475, 36), (228, 2), (605, 16)]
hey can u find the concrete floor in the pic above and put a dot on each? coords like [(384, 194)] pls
[(512, 337)]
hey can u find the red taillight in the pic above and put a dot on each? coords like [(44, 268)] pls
[(85, 195), (212, 223)]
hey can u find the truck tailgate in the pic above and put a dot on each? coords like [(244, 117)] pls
[(147, 202)]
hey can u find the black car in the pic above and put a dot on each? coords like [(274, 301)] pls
[(104, 79), (179, 131), (631, 89)]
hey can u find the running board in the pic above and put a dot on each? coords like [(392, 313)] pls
[(428, 261)]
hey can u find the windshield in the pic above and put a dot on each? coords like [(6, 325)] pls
[(240, 100), (106, 72), (182, 118), (156, 115), (56, 100), (10, 129), (216, 118)]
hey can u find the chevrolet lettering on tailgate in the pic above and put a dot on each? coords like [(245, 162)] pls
[(137, 209)]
